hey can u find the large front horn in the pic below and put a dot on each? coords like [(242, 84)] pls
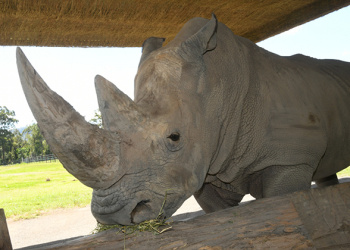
[(119, 112), (89, 153)]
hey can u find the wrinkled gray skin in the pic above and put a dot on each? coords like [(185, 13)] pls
[(214, 115)]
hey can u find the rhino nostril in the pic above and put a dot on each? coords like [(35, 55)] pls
[(140, 207)]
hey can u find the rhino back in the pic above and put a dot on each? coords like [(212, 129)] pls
[(283, 110), (309, 112)]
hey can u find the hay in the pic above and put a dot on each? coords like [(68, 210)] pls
[(154, 226), (128, 23)]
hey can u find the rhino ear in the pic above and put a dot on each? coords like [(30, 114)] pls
[(150, 45), (204, 40)]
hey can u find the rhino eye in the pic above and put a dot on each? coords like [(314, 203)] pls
[(174, 136)]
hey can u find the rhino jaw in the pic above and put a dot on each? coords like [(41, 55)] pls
[(89, 153)]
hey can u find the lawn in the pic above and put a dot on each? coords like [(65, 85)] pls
[(344, 173), (29, 190)]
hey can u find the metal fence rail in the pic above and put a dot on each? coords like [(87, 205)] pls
[(46, 158)]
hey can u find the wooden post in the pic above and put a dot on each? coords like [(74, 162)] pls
[(313, 219), (5, 241)]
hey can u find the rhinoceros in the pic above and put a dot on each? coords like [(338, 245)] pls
[(213, 116)]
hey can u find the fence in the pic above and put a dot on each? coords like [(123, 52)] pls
[(46, 158)]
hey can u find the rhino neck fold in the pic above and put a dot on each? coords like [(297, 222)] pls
[(235, 93)]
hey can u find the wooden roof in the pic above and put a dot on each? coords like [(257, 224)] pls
[(127, 23)]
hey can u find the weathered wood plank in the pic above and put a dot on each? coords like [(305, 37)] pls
[(317, 218), (257, 224), (5, 241), (325, 213)]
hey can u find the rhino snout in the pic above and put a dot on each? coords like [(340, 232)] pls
[(127, 215), (113, 206)]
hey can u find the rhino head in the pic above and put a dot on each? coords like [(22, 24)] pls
[(147, 147)]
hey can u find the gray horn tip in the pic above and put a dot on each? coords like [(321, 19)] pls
[(20, 55), (98, 78), (100, 81), (19, 51)]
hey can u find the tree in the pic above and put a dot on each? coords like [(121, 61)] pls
[(7, 123), (36, 142), (97, 119), (20, 146)]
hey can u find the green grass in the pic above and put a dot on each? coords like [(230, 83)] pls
[(25, 191), (344, 173)]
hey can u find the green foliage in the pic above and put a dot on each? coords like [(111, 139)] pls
[(7, 119), (29, 190), (36, 143), (97, 120), (7, 123), (14, 145)]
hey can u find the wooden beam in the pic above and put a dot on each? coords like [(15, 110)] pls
[(316, 218), (5, 241)]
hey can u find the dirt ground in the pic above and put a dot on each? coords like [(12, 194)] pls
[(59, 224)]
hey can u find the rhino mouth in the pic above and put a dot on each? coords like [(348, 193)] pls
[(142, 208), (125, 215), (111, 207)]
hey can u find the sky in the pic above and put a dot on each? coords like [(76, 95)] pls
[(70, 72)]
